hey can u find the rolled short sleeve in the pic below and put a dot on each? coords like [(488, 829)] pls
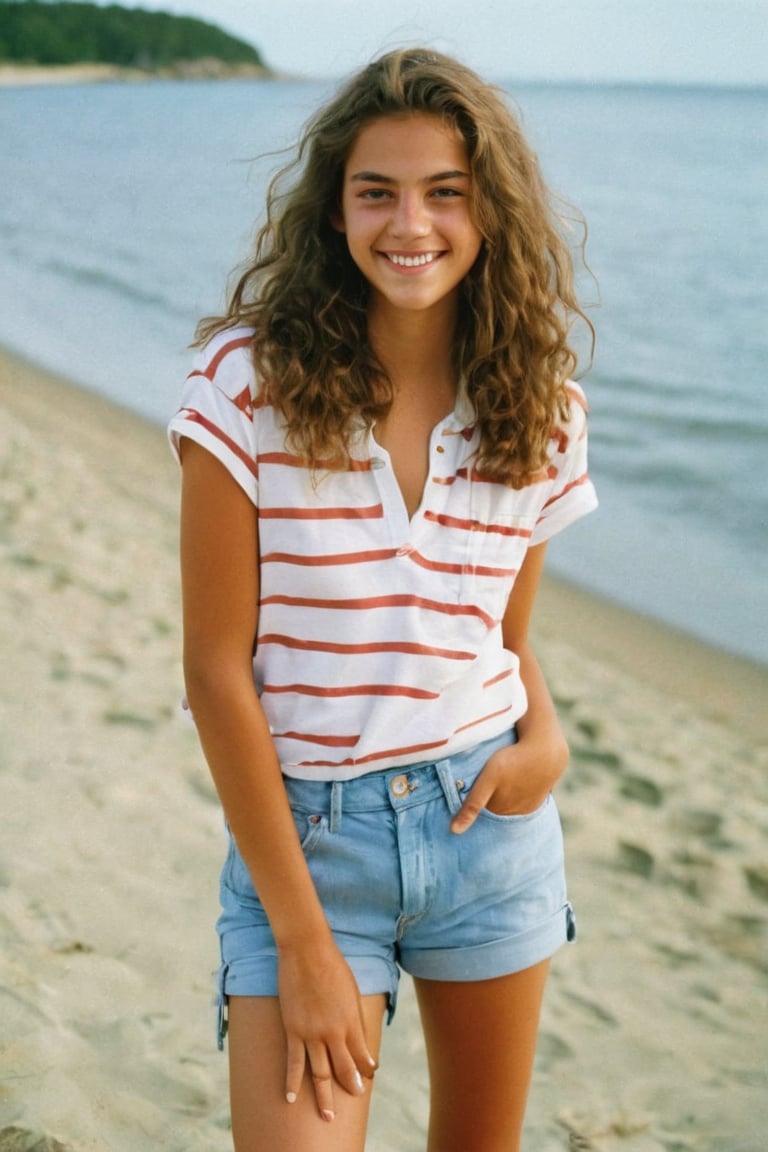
[(572, 493), (218, 407)]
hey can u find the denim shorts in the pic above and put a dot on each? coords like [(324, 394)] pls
[(400, 890)]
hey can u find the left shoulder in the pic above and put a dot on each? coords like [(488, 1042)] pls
[(573, 427), (576, 396)]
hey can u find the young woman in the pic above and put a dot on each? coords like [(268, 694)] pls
[(377, 441)]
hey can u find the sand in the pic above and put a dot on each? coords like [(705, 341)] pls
[(48, 75), (655, 1029)]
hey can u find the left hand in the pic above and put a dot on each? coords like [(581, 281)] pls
[(515, 780)]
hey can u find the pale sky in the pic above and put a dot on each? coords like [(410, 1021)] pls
[(682, 41)]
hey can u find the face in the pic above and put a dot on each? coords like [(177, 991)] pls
[(406, 212)]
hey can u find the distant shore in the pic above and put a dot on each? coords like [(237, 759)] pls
[(207, 68)]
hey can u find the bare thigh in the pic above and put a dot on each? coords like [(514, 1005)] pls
[(481, 1041), (262, 1120)]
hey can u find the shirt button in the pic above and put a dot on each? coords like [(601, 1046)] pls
[(405, 550), (439, 448)]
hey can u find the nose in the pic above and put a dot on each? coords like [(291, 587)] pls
[(410, 218)]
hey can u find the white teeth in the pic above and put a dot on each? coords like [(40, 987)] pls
[(412, 261)]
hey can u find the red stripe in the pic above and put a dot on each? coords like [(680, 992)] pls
[(389, 754), (460, 569), (339, 558), (476, 525), (483, 719), (244, 402), (373, 512), (327, 741), (290, 460), (364, 649), (436, 565), (484, 570), (353, 690), (583, 479), (561, 439), (365, 603), (196, 417), (210, 371), (497, 679)]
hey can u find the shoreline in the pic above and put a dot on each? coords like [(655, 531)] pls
[(47, 75), (111, 841)]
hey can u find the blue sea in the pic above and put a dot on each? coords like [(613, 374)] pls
[(125, 207)]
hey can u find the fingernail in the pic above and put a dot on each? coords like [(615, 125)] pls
[(290, 1097), (327, 1114), (359, 1081)]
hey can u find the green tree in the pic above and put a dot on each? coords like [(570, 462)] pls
[(72, 33)]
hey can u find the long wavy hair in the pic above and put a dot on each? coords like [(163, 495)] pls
[(307, 300)]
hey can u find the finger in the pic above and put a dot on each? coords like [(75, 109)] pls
[(322, 1080), (295, 1065), (348, 1074), (351, 1061), (365, 1062), (475, 801)]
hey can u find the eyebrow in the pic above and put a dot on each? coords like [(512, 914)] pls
[(378, 178)]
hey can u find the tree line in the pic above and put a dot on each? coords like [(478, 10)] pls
[(35, 31)]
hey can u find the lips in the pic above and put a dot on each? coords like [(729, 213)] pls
[(415, 260)]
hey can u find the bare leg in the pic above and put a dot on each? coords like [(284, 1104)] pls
[(262, 1120), (481, 1041)]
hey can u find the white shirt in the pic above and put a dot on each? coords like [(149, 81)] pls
[(379, 639)]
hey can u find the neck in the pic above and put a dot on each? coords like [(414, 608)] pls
[(415, 348)]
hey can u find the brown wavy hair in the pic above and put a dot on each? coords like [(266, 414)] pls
[(307, 300)]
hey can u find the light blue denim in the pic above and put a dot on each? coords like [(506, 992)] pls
[(400, 890)]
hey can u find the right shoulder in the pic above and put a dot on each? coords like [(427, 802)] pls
[(226, 362), (219, 405)]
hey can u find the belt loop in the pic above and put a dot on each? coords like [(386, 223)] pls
[(337, 789), (448, 785)]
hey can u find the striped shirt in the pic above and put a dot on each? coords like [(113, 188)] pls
[(379, 639)]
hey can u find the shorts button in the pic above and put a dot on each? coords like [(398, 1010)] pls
[(399, 786)]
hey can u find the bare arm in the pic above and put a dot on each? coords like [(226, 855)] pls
[(220, 587), (519, 778)]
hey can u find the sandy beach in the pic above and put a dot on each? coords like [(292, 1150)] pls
[(655, 1028), (47, 75)]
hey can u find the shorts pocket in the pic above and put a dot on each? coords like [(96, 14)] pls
[(235, 875), (517, 818), (311, 828)]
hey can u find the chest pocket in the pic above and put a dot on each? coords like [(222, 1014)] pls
[(497, 542)]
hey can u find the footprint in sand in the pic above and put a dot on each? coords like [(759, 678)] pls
[(22, 1140)]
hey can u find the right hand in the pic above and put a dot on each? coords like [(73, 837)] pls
[(323, 1021)]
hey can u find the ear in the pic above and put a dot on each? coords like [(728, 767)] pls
[(337, 220)]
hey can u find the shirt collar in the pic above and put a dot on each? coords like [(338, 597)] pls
[(463, 415)]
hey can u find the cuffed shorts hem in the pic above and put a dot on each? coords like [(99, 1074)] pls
[(496, 957), (257, 976)]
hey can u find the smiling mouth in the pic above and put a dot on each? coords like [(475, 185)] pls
[(417, 260)]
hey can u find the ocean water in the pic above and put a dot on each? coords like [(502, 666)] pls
[(124, 209)]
